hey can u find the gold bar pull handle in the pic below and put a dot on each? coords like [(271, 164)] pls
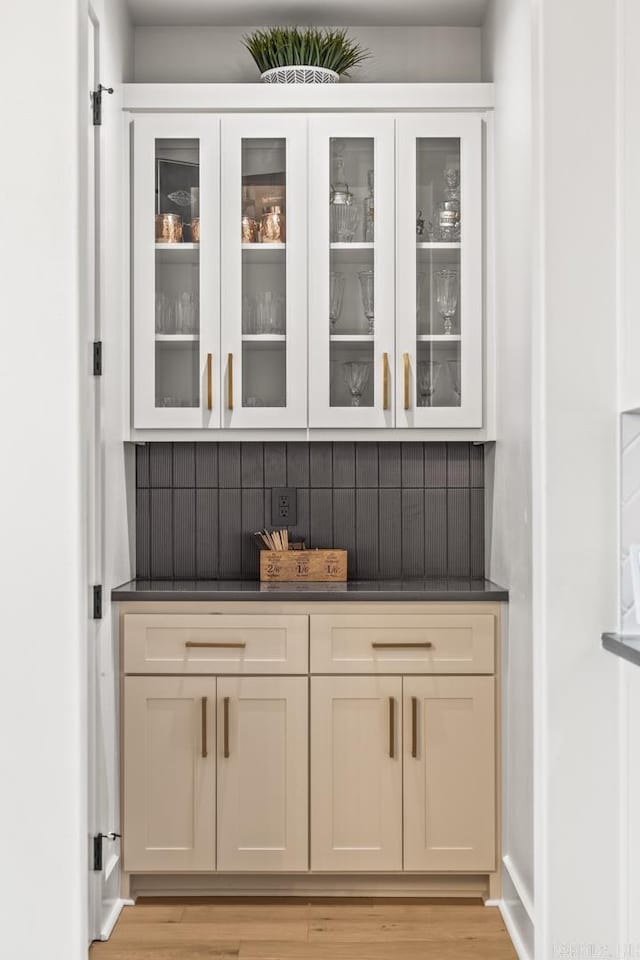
[(230, 381), (385, 381), (392, 727), (209, 381), (414, 727), (390, 644), (203, 718), (225, 728), (221, 645), (406, 374)]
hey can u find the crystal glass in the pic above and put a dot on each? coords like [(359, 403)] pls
[(447, 297), (427, 379), (186, 313), (336, 293), (367, 290), (345, 219), (163, 312), (356, 377), (453, 366), (422, 302), (269, 313)]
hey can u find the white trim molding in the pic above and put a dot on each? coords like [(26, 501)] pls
[(517, 910), (112, 917)]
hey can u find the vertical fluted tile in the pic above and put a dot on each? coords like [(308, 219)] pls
[(458, 532), (321, 464), (366, 464), (184, 465), (390, 464), (412, 532), (161, 533), (344, 526), (184, 533), (207, 533), (320, 518), (457, 464), (390, 533), (476, 465), (252, 465), (230, 534), (301, 529), (275, 464), (297, 464), (161, 464), (252, 520), (435, 533), (229, 474), (344, 465), (206, 464), (143, 534), (412, 465), (367, 544), (476, 560), (142, 465), (435, 464)]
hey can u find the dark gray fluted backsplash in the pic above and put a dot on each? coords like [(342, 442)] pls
[(400, 509)]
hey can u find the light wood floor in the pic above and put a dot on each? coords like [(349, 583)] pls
[(307, 930)]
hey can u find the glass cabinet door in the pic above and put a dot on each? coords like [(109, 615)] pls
[(264, 264), (351, 271), (176, 360), (439, 272)]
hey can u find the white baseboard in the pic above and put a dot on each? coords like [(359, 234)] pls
[(518, 886), (518, 943), (112, 919), (517, 911)]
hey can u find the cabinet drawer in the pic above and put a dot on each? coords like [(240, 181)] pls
[(398, 643), (215, 643)]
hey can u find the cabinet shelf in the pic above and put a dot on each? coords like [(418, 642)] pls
[(177, 252), (353, 252), (439, 338), (177, 337), (264, 337), (352, 338), (438, 245)]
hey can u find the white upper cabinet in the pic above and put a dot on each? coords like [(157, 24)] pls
[(264, 270), (439, 348), (175, 272), (351, 270)]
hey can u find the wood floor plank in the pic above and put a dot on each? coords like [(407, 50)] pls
[(398, 950), (242, 913), (192, 951), (152, 913), (227, 931)]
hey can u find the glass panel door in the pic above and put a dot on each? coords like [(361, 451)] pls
[(439, 272), (351, 271), (175, 302), (264, 271)]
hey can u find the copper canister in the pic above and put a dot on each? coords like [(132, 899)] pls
[(168, 228), (195, 229), (272, 225), (249, 230)]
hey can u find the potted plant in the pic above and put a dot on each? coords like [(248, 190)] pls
[(304, 55)]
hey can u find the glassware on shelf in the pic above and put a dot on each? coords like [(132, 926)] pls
[(336, 293), (427, 379), (163, 312), (453, 366), (369, 210), (423, 302), (269, 313), (367, 287), (446, 224), (447, 297), (356, 377), (186, 314), (345, 219), (419, 226)]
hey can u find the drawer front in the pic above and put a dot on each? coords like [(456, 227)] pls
[(215, 643), (397, 643)]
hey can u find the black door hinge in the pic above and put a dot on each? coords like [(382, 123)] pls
[(97, 602), (96, 103), (97, 358), (97, 847)]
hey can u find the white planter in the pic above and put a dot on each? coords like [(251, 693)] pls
[(300, 75)]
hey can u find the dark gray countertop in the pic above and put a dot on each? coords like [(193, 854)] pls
[(444, 589), (623, 645)]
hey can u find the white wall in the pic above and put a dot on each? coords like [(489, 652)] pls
[(400, 54), (507, 61), (577, 796)]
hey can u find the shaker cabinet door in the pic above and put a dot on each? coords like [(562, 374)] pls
[(175, 272), (169, 774), (263, 774), (449, 774), (356, 773)]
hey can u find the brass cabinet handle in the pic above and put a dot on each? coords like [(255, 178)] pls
[(385, 381), (392, 727), (225, 729), (414, 727), (190, 644), (230, 382), (389, 645), (203, 717), (209, 381), (405, 364)]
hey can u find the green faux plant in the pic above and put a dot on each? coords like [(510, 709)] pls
[(305, 46)]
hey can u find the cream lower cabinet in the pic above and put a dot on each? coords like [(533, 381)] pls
[(356, 773), (263, 773), (169, 774)]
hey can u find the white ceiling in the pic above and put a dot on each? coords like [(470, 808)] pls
[(369, 13)]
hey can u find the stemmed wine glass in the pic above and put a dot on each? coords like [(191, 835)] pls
[(453, 367), (336, 292), (356, 377), (367, 291), (447, 297), (428, 373), (422, 302)]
